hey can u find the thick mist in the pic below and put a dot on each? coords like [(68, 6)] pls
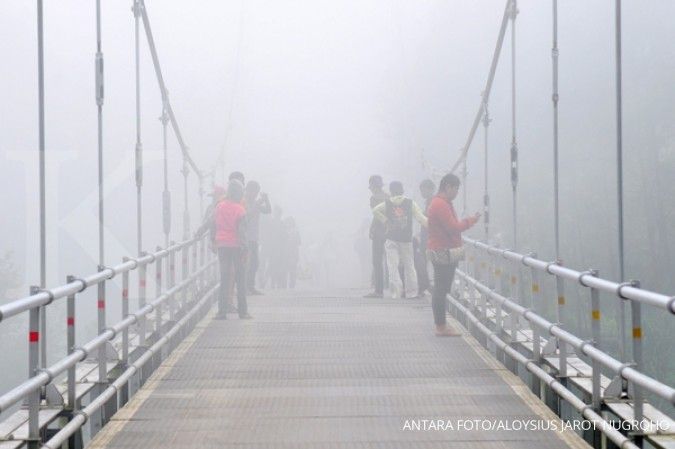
[(311, 97)]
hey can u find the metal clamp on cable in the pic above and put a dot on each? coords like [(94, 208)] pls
[(504, 251), (623, 367), (671, 306), (85, 353), (632, 283), (531, 255), (84, 284), (580, 278), (51, 295), (50, 375), (114, 332), (134, 260), (83, 414), (550, 264), (584, 344), (102, 268), (551, 326)]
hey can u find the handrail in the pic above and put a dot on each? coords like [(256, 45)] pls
[(45, 376), (621, 290), (47, 296), (627, 372)]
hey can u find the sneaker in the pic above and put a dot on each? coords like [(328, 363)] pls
[(220, 316), (374, 295), (245, 316)]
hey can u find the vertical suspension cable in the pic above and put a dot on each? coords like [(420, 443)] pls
[(514, 142), (464, 188), (166, 194), (102, 368), (99, 106), (555, 97), (486, 195), (619, 173), (42, 175), (186, 206), (139, 146)]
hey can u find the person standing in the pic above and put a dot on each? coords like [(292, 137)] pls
[(377, 235), (397, 214), (230, 241), (255, 203), (445, 247)]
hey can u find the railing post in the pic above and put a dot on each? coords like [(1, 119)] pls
[(33, 399), (100, 305), (562, 349), (142, 285), (195, 267), (70, 343), (124, 393), (595, 333), (185, 271), (536, 333), (158, 293), (636, 317), (202, 256), (171, 283)]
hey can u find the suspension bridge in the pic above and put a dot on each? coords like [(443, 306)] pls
[(331, 369)]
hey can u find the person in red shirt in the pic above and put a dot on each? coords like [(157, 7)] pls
[(230, 241), (445, 233)]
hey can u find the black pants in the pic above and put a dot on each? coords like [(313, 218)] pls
[(253, 263), (378, 264), (232, 270), (443, 277)]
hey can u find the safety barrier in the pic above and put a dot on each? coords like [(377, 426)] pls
[(184, 299), (491, 300)]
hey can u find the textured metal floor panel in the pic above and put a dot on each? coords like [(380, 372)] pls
[(324, 372)]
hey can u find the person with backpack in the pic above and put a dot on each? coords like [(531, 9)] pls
[(444, 247), (230, 241), (397, 214)]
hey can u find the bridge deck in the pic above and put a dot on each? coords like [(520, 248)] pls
[(327, 372)]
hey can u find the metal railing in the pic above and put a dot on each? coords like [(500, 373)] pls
[(493, 285), (183, 297)]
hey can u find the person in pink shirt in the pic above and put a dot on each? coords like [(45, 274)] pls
[(230, 242)]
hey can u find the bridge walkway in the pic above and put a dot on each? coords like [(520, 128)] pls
[(317, 370)]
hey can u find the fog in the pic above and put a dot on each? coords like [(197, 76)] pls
[(312, 97)]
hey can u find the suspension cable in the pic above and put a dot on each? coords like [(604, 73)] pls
[(163, 90), (139, 145), (514, 142), (102, 367), (166, 194), (555, 97), (488, 87), (619, 173), (486, 195), (186, 207), (41, 168)]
